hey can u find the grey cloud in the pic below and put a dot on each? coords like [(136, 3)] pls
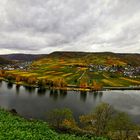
[(91, 25)]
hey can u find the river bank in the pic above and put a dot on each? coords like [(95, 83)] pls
[(73, 87), (15, 127)]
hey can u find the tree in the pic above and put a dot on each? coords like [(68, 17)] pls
[(69, 124), (122, 124), (98, 120), (83, 83), (2, 73), (87, 122), (49, 82), (31, 80), (58, 117), (63, 83), (41, 83), (10, 77), (96, 86), (18, 79), (103, 113), (59, 82)]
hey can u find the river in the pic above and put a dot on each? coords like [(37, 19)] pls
[(33, 103)]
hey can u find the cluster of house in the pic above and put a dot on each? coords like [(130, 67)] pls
[(127, 70), (16, 66), (132, 72)]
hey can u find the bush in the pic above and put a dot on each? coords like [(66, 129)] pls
[(58, 117)]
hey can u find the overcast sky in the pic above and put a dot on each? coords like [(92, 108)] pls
[(44, 26)]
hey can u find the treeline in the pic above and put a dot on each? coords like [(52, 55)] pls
[(44, 82), (33, 80), (93, 86), (104, 121)]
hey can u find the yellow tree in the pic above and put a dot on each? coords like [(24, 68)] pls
[(32, 80), (96, 86), (59, 82), (63, 83), (2, 73), (18, 79), (83, 83)]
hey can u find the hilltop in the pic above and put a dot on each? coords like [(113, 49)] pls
[(90, 57), (98, 57), (22, 57)]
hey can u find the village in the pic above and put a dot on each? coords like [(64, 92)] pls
[(127, 70), (24, 66)]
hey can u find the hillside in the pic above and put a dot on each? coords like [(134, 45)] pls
[(13, 127), (107, 69), (67, 54), (98, 58), (4, 61), (22, 57), (79, 69), (133, 59)]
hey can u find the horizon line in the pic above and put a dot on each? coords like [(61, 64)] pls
[(69, 52)]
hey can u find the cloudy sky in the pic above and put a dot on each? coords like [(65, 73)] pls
[(44, 26)]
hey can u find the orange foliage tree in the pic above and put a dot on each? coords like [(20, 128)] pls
[(2, 73), (96, 86), (32, 80), (83, 84), (18, 79), (60, 82)]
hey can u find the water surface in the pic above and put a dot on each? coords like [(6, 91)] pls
[(34, 103)]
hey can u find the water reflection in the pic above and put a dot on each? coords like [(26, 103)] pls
[(17, 89), (54, 94), (9, 85), (0, 82), (95, 94), (41, 91), (83, 95), (29, 89), (58, 94), (55, 91), (100, 94), (63, 93)]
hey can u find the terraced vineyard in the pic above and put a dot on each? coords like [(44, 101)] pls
[(76, 68)]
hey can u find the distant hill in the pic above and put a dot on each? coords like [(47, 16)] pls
[(22, 57), (84, 57), (67, 54), (133, 59), (4, 61), (98, 57)]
